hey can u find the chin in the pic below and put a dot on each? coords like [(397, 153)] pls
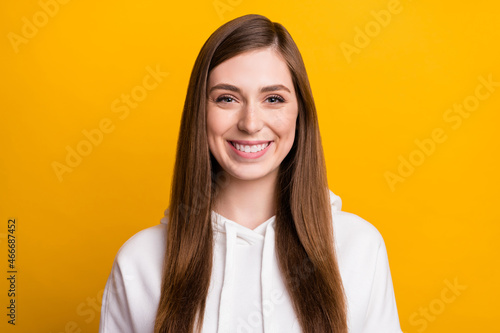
[(249, 175)]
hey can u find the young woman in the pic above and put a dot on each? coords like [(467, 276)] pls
[(253, 240)]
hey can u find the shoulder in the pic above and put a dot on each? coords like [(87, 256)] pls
[(135, 277), (364, 267), (144, 247), (132, 291), (352, 231), (358, 243)]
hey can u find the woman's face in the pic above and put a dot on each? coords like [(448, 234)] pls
[(251, 114)]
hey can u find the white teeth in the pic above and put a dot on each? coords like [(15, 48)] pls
[(250, 149)]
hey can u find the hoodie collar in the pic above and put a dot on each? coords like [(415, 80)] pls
[(234, 234), (221, 224)]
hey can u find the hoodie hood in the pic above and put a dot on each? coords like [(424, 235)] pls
[(335, 202)]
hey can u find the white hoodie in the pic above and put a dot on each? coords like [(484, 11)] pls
[(246, 292)]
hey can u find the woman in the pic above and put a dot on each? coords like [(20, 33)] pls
[(253, 240)]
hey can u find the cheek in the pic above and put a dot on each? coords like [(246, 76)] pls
[(285, 126), (216, 126)]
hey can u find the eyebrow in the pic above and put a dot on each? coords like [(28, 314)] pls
[(230, 87)]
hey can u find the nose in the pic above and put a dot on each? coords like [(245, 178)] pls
[(250, 119)]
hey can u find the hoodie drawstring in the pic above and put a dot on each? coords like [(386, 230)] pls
[(267, 279), (225, 313), (226, 304)]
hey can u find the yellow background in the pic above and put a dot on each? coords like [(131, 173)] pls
[(440, 225)]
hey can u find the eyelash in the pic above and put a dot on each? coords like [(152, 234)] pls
[(221, 98), (279, 98)]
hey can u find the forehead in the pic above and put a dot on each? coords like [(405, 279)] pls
[(253, 68)]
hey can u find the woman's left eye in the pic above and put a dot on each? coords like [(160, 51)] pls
[(275, 99)]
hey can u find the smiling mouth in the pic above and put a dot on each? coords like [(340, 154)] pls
[(250, 148)]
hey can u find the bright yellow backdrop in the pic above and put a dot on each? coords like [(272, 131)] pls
[(384, 74)]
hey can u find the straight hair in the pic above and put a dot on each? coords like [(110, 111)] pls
[(304, 231)]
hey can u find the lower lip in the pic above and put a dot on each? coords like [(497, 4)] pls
[(250, 155)]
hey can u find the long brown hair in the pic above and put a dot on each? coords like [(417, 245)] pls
[(304, 233)]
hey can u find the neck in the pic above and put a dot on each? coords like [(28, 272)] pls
[(247, 202)]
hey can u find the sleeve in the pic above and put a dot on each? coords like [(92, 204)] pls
[(382, 313), (115, 308)]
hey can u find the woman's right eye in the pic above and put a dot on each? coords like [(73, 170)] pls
[(225, 99)]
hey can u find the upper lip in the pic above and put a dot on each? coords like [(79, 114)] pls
[(244, 142)]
